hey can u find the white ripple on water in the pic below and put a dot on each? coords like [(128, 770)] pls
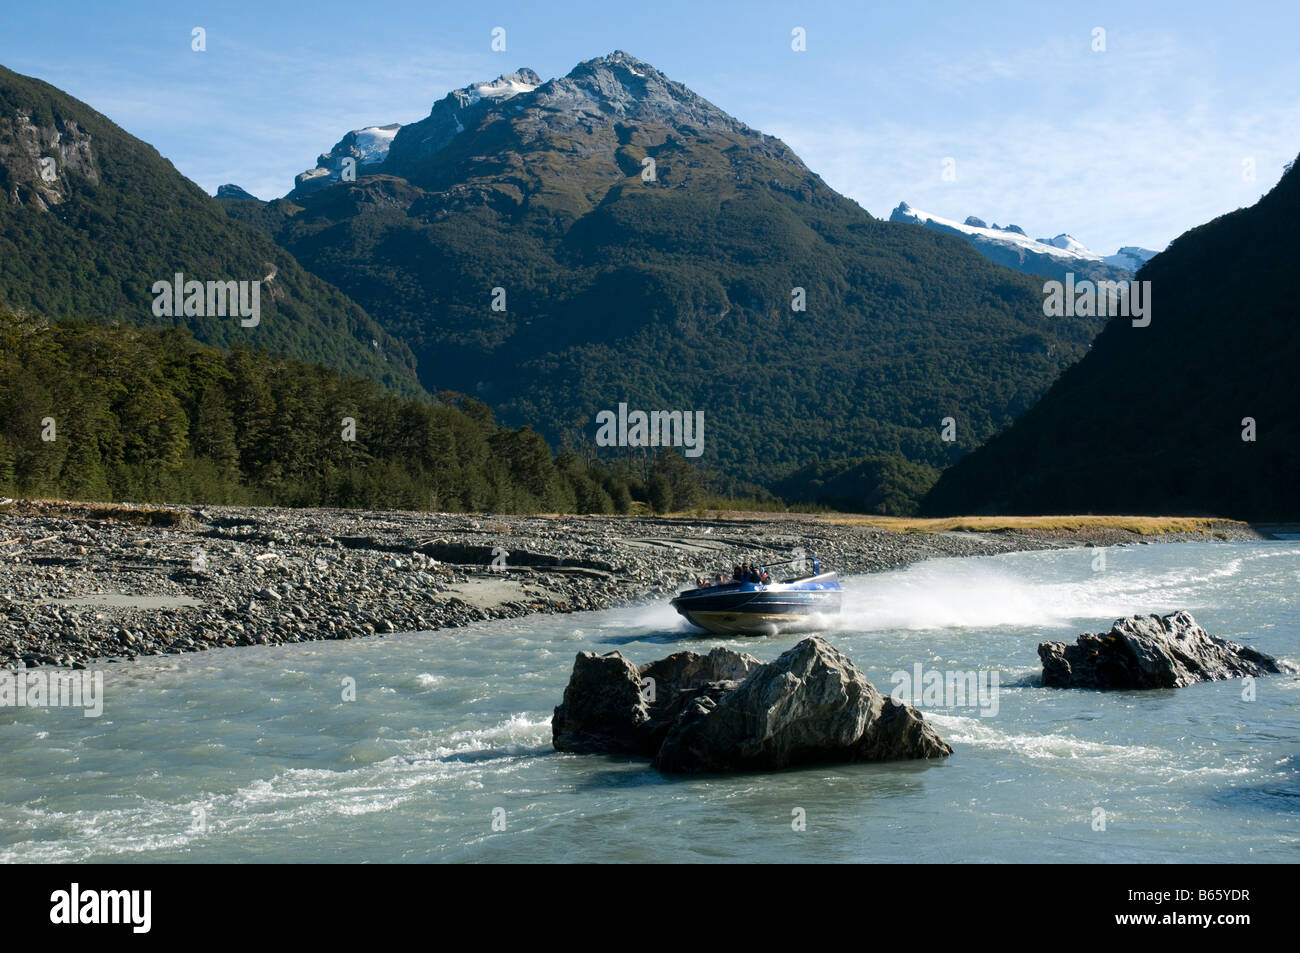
[(978, 733), (517, 735), (293, 798)]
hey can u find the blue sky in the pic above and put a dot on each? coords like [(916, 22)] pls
[(1130, 146)]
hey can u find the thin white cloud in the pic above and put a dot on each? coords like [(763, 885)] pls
[(1132, 146), (1106, 183)]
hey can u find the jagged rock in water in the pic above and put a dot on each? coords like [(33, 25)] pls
[(1149, 652), (810, 705), (673, 683), (686, 671), (728, 712), (612, 707), (603, 710)]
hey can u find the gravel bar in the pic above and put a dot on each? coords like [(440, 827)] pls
[(82, 583)]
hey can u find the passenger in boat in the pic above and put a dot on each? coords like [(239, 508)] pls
[(765, 578)]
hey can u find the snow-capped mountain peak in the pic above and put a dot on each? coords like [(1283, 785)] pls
[(1067, 243), (503, 87), (372, 143), (1009, 245), (1063, 246), (1131, 257)]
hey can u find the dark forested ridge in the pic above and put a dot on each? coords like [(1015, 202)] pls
[(888, 485), (91, 218), (104, 413), (1153, 418), (674, 292)]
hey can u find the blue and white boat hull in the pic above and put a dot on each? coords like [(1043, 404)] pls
[(750, 608)]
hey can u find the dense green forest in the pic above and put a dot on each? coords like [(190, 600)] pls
[(885, 485), (1195, 414), (119, 413)]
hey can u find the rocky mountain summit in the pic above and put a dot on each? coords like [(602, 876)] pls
[(617, 89), (235, 193), (567, 245)]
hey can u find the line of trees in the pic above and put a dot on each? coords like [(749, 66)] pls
[(89, 411)]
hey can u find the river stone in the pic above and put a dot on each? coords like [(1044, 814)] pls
[(602, 711), (686, 671), (811, 705), (1150, 651), (727, 711)]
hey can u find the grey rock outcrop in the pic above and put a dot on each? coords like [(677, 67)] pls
[(603, 711), (1152, 651), (612, 707), (366, 147), (36, 159), (810, 705), (729, 712)]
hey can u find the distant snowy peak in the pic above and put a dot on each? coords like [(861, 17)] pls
[(1062, 246), (371, 145), (601, 92), (503, 87), (1067, 243), (1009, 245), (1131, 257), (454, 113), (365, 147)]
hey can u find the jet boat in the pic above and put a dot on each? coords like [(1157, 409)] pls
[(741, 607)]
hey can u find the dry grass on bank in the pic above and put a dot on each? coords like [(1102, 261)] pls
[(1142, 525)]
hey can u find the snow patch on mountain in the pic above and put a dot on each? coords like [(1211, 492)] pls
[(1063, 246), (1067, 243), (371, 144), (503, 87), (1131, 257), (1009, 245)]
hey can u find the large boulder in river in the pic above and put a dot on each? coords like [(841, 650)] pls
[(1149, 652), (726, 711), (602, 711), (810, 705), (610, 706)]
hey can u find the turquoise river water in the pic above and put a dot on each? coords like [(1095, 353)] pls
[(254, 754)]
